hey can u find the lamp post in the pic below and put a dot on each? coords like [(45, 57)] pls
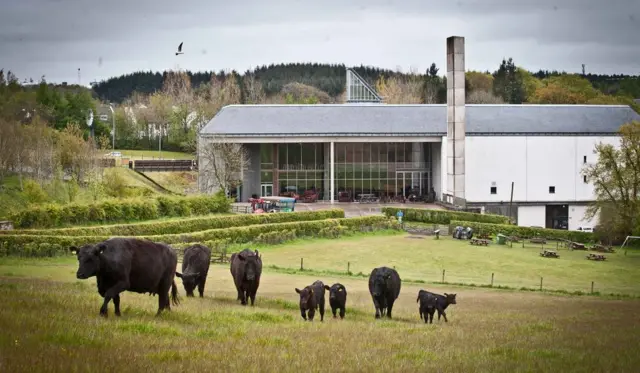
[(113, 130)]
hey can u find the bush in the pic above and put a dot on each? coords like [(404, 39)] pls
[(234, 235), (48, 216), (524, 232), (181, 226), (33, 192), (444, 216)]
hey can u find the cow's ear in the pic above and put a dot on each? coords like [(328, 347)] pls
[(388, 276), (178, 274), (311, 291), (241, 257), (297, 290), (100, 248), (73, 248), (327, 287)]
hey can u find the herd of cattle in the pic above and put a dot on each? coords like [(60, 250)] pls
[(141, 266)]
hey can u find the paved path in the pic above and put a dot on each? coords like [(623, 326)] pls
[(354, 209)]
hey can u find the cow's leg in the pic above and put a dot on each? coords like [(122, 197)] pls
[(431, 317), (253, 297), (322, 312), (239, 294), (116, 303), (389, 309), (342, 312), (377, 306), (445, 316), (201, 287), (333, 311), (111, 293), (243, 297), (304, 314), (312, 313)]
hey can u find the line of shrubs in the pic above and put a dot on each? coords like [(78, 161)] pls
[(443, 216), (182, 226), (34, 246), (524, 232), (49, 216)]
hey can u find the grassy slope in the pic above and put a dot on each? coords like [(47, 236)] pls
[(424, 259), (54, 325)]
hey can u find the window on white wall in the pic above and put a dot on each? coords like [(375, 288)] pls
[(494, 190), (584, 178), (552, 190), (584, 159)]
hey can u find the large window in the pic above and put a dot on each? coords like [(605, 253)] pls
[(300, 167)]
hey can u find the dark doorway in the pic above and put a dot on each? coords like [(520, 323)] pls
[(557, 216)]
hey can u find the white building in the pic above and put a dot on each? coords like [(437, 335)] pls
[(468, 155)]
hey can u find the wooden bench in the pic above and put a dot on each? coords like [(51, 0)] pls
[(513, 239), (578, 246), (597, 257), (479, 242), (549, 254)]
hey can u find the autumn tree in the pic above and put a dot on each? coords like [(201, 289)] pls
[(483, 97), (400, 90), (616, 181), (221, 164)]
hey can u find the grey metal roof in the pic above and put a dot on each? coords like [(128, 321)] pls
[(415, 120)]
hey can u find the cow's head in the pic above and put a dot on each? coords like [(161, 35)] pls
[(336, 291), (306, 295), (189, 281), (88, 260), (380, 283), (250, 265), (451, 298)]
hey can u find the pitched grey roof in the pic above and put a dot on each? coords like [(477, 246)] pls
[(415, 120)]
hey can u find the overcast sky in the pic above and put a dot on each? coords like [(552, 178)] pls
[(107, 38)]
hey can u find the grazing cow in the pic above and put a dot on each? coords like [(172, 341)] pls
[(246, 269), (431, 302), (384, 286), (337, 299), (129, 264), (195, 267), (312, 298)]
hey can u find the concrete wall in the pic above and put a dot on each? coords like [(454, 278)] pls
[(577, 218), (456, 116), (532, 216), (443, 167), (533, 163), (436, 168)]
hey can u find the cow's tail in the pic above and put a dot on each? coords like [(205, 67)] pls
[(174, 294)]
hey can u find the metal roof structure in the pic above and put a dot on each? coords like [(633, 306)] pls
[(416, 120), (358, 90)]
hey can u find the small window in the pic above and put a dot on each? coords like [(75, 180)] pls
[(552, 190), (584, 178), (494, 190), (584, 159)]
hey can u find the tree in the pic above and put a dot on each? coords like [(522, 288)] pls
[(254, 94), (507, 83), (397, 90), (570, 89), (483, 97), (433, 87), (616, 180), (221, 164)]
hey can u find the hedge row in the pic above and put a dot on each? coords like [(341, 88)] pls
[(30, 245), (525, 232), (182, 226), (49, 216), (443, 216)]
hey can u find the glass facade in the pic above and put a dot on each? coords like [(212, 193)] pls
[(383, 169)]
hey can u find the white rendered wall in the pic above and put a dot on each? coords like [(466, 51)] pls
[(532, 216), (577, 218), (534, 163)]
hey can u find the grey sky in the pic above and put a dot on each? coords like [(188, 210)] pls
[(56, 37)]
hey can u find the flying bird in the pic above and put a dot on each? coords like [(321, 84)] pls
[(179, 49)]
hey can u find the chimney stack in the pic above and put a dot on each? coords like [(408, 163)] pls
[(455, 119)]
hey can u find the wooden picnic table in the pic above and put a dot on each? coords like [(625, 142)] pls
[(578, 246), (597, 257), (549, 254), (479, 242), (602, 248)]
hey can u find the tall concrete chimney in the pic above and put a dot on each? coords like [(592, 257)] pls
[(455, 119)]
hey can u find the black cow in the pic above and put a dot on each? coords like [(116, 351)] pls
[(384, 286), (431, 302), (312, 298), (337, 299), (130, 264), (195, 267), (246, 269)]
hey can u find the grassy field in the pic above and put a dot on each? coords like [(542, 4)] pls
[(50, 322), (425, 259)]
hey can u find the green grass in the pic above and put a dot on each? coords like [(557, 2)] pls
[(154, 154), (425, 259), (50, 322)]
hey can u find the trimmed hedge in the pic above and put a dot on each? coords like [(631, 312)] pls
[(525, 232), (30, 245), (444, 216), (49, 216), (182, 226)]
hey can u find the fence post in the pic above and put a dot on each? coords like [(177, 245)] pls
[(557, 245), (523, 243), (491, 279), (301, 264), (540, 283), (443, 276), (591, 287), (348, 267)]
